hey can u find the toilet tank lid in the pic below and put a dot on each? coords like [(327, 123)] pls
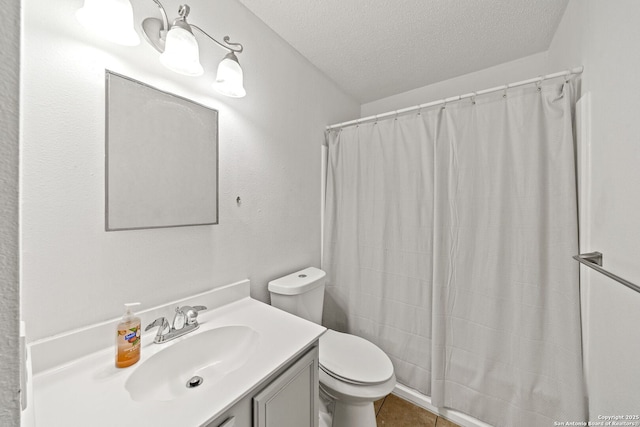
[(298, 282)]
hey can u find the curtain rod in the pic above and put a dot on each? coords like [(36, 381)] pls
[(566, 73)]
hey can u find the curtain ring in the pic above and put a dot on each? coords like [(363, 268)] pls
[(539, 83), (444, 104), (504, 93), (566, 77), (396, 118), (376, 122), (473, 98)]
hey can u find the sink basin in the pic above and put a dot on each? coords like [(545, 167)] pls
[(211, 355)]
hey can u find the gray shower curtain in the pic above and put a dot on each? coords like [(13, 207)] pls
[(448, 242)]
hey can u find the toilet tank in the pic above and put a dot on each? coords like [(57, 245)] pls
[(300, 293)]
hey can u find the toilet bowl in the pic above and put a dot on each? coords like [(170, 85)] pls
[(353, 371)]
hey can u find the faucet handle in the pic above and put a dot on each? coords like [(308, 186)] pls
[(163, 326), (191, 313)]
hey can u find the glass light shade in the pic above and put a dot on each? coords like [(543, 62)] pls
[(229, 79), (181, 53), (110, 19)]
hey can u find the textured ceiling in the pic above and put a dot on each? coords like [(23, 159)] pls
[(377, 48)]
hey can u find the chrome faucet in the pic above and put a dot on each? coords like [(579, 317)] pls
[(184, 321)]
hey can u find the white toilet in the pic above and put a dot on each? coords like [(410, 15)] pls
[(353, 371)]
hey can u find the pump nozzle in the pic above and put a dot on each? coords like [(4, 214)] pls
[(128, 306)]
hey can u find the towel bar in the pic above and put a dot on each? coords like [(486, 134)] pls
[(594, 260)]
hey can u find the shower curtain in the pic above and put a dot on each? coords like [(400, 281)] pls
[(448, 242)]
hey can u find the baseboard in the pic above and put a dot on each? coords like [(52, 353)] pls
[(423, 401)]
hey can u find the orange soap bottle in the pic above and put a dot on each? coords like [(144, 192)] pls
[(128, 338)]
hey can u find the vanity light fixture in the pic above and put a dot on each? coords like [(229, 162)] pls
[(178, 47)]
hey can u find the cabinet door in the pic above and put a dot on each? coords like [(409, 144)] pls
[(291, 400)]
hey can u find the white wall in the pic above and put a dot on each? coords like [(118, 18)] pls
[(73, 272), (9, 307), (604, 37)]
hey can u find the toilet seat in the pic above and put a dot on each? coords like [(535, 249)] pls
[(353, 360), (354, 393)]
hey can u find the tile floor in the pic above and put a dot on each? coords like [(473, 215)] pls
[(393, 411)]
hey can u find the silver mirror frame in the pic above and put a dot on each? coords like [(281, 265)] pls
[(213, 216)]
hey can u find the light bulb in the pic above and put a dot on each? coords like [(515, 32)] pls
[(110, 19), (181, 52), (229, 79)]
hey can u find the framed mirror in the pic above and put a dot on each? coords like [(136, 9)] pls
[(161, 158)]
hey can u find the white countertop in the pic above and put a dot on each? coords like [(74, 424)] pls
[(90, 391)]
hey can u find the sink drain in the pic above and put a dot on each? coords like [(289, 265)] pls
[(194, 381)]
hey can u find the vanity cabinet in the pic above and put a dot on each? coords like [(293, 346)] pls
[(289, 398)]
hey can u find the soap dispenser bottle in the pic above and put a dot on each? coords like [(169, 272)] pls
[(128, 336)]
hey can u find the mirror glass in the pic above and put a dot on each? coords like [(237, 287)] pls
[(161, 158)]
